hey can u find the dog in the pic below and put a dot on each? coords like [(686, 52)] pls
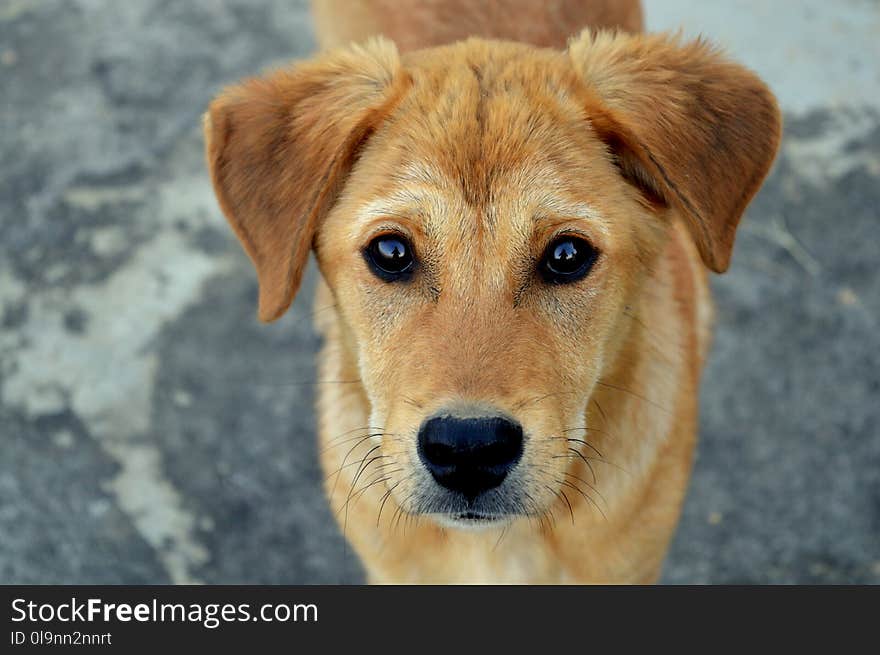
[(514, 207)]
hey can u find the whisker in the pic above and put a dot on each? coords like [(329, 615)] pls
[(312, 314), (399, 512), (594, 459), (531, 401), (363, 467), (551, 517), (634, 395), (349, 465), (349, 440), (344, 459), (347, 432), (572, 475), (504, 532), (589, 429), (585, 495), (411, 401), (385, 500), (586, 461), (532, 513), (360, 492), (601, 412), (338, 473), (587, 444), (567, 502), (360, 471)]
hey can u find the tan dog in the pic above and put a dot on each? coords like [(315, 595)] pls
[(513, 242)]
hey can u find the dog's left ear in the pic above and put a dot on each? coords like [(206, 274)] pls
[(279, 149), (685, 125)]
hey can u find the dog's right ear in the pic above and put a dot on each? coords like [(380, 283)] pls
[(279, 148)]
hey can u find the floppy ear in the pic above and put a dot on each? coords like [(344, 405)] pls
[(687, 127), (279, 148)]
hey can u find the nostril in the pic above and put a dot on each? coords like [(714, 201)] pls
[(439, 454), (493, 454), (504, 446), (470, 455)]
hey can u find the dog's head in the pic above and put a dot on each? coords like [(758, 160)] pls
[(483, 213)]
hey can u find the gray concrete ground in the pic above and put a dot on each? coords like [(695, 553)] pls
[(152, 431)]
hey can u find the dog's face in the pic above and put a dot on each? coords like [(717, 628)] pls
[(481, 255), (484, 214)]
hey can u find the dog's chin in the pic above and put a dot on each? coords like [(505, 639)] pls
[(493, 509), (472, 521)]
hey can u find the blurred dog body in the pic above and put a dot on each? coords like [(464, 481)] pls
[(418, 24), (488, 411)]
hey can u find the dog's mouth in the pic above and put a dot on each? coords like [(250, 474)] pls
[(478, 516), (475, 516), (471, 519)]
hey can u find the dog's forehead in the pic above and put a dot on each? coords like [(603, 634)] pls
[(480, 110), (485, 132)]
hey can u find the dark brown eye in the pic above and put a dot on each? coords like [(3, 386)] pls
[(567, 259), (390, 257)]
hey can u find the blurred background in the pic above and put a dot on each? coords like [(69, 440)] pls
[(151, 430)]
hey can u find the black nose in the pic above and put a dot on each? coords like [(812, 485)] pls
[(470, 455)]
